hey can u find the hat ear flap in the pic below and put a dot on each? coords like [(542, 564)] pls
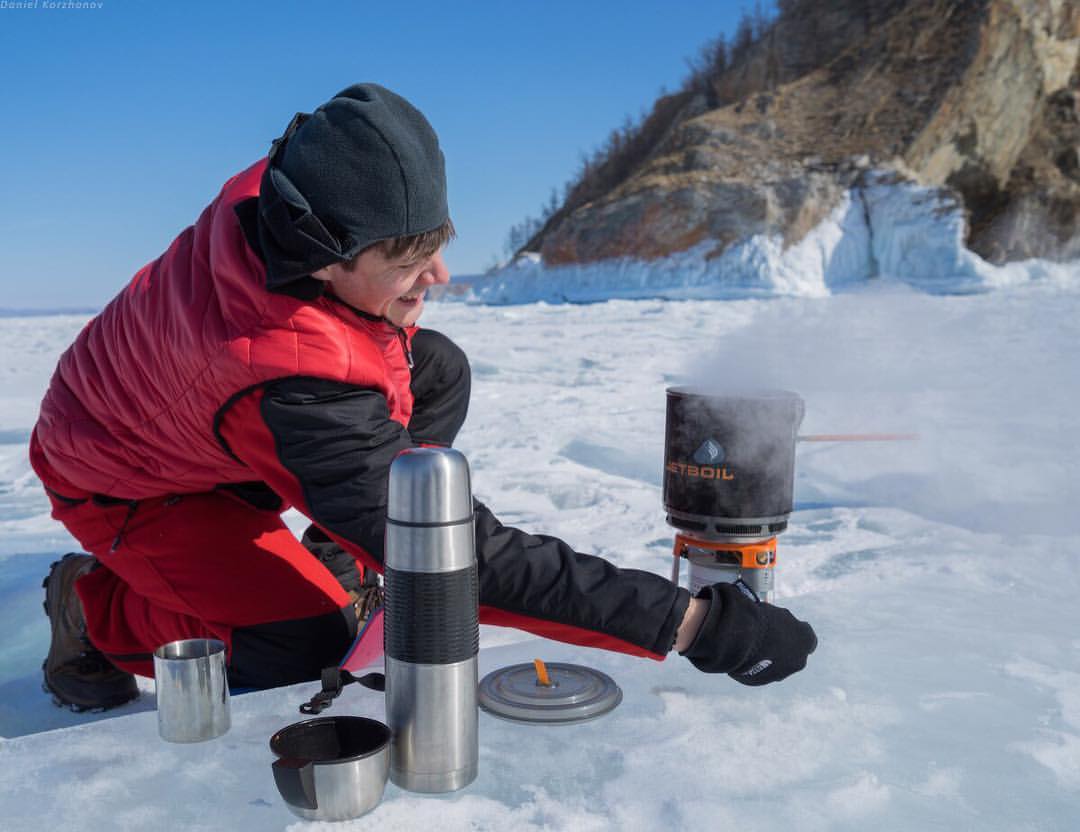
[(289, 218)]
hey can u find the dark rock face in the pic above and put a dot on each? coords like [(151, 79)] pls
[(1036, 213), (976, 96)]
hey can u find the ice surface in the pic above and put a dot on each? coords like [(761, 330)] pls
[(941, 577)]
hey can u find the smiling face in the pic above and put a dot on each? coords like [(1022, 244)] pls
[(390, 287)]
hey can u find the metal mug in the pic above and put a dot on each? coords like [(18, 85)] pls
[(332, 768), (192, 690)]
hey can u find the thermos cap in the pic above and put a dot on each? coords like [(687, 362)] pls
[(430, 485)]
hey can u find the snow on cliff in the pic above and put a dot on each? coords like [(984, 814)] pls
[(884, 231)]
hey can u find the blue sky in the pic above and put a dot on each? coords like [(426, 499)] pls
[(122, 122)]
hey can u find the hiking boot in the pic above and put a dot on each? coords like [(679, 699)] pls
[(77, 674)]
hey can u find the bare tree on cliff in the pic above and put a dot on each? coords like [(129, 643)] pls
[(761, 22), (744, 38), (710, 62)]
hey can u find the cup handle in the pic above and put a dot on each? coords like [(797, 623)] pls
[(295, 780)]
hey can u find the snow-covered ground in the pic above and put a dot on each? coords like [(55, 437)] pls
[(941, 576)]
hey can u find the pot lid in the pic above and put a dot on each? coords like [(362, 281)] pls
[(573, 694)]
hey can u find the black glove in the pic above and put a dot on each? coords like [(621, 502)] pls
[(341, 564), (752, 642)]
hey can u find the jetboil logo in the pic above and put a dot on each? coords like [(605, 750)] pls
[(711, 452), (709, 458)]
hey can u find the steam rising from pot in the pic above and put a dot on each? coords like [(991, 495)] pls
[(993, 412)]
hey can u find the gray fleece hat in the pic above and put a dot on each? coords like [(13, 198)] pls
[(364, 167)]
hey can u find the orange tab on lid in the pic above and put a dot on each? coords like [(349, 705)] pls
[(542, 677)]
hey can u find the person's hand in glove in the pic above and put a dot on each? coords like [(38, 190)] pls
[(754, 643)]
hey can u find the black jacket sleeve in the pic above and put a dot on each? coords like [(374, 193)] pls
[(327, 447), (337, 441)]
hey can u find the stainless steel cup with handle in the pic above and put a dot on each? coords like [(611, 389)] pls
[(332, 768), (192, 690)]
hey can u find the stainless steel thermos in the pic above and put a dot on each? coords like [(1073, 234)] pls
[(432, 622)]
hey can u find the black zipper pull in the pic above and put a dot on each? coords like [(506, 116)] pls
[(132, 506), (405, 346)]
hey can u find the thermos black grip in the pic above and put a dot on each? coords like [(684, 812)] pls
[(431, 616)]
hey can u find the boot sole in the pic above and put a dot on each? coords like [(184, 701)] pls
[(82, 709)]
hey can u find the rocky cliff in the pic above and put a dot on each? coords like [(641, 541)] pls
[(978, 97)]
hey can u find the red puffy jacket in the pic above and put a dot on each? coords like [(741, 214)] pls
[(125, 418)]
